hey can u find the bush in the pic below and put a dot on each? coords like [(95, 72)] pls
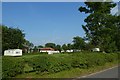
[(11, 66), (54, 63), (39, 63), (49, 64), (111, 57), (78, 60)]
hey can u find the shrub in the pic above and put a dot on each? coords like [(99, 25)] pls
[(79, 61), (39, 63), (49, 64), (54, 63), (11, 66), (111, 57)]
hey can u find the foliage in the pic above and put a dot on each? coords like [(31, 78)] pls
[(54, 63), (28, 44), (117, 35), (48, 64), (11, 66), (51, 45), (12, 38), (101, 27), (70, 46), (58, 47), (79, 61), (78, 43), (64, 47), (35, 49), (40, 46)]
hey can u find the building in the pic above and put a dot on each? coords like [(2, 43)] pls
[(48, 50), (96, 49), (13, 52), (69, 50)]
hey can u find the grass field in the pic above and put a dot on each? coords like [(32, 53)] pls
[(71, 73)]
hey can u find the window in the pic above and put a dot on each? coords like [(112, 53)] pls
[(17, 52)]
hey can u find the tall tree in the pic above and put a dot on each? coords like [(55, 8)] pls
[(78, 43), (40, 46), (51, 45), (117, 35), (0, 39), (70, 46), (12, 38), (64, 47), (58, 47), (29, 44), (35, 49), (100, 27)]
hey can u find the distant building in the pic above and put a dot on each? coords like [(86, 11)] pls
[(48, 50), (96, 49), (76, 50), (13, 52), (69, 50)]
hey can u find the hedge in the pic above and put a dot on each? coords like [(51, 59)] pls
[(54, 63)]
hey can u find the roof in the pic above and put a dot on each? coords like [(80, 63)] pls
[(46, 49), (12, 49)]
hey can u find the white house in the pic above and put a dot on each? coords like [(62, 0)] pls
[(48, 50), (69, 50), (13, 52), (96, 49)]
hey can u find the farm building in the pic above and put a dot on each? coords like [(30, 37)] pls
[(13, 52), (49, 50)]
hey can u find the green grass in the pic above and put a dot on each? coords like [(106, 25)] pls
[(0, 67), (77, 72)]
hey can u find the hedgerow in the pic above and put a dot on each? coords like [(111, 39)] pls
[(54, 63)]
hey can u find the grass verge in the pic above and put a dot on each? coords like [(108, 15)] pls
[(77, 72), (0, 67)]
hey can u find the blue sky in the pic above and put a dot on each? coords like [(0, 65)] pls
[(44, 22)]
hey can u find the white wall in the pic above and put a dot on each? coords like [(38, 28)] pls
[(50, 52), (69, 50)]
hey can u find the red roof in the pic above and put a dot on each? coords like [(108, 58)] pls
[(47, 49)]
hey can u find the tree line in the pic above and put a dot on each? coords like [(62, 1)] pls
[(77, 43), (13, 38)]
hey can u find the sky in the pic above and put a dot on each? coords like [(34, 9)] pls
[(44, 22), (116, 8)]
